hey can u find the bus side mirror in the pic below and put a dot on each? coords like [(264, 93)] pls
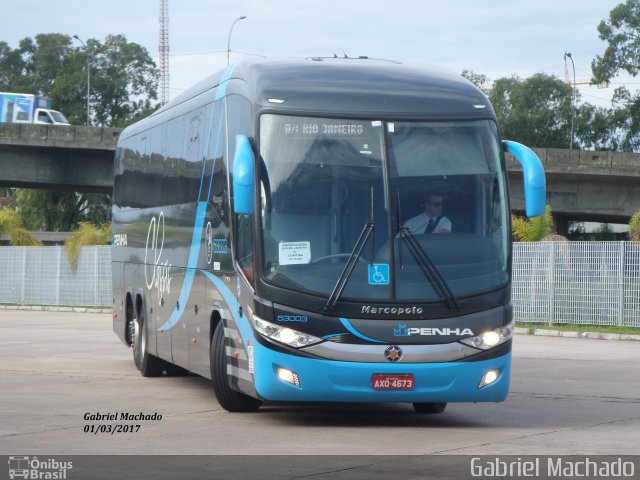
[(243, 170), (535, 185)]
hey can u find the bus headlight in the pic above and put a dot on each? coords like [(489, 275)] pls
[(285, 335), (491, 338)]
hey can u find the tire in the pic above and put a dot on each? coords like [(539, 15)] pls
[(229, 399), (429, 408), (149, 365)]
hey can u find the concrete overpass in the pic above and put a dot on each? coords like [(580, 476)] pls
[(592, 186), (581, 185), (57, 157)]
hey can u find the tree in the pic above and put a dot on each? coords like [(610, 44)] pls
[(86, 234), (123, 89), (61, 211), (11, 224), (125, 83), (604, 233), (479, 80), (534, 111), (124, 78), (533, 229), (634, 227), (599, 128), (622, 34)]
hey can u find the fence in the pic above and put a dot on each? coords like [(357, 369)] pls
[(43, 276), (596, 283)]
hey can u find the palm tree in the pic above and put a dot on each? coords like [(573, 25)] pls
[(11, 224), (634, 227), (534, 229), (86, 234)]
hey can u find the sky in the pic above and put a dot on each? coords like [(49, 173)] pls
[(496, 38)]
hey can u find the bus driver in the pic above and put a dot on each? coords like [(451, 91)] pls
[(431, 220)]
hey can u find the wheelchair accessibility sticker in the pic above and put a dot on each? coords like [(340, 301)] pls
[(379, 274)]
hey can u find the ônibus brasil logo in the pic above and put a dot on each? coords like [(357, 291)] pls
[(32, 467), (403, 331)]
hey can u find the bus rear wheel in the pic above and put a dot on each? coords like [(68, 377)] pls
[(149, 365), (229, 399), (429, 407)]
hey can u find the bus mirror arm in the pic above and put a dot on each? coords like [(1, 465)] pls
[(535, 187), (243, 175)]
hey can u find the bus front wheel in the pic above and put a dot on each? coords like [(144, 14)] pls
[(228, 398), (429, 407)]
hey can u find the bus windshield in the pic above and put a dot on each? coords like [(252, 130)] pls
[(326, 181)]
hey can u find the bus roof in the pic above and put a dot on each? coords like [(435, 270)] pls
[(341, 87), (361, 86)]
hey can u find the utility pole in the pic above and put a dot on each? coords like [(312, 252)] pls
[(573, 93), (229, 38)]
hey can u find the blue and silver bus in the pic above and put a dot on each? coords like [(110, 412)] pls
[(261, 237)]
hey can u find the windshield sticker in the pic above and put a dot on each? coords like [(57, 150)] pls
[(365, 150), (294, 253), (376, 123), (379, 274), (392, 127)]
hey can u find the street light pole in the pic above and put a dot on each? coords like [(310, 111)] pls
[(229, 39), (573, 95), (88, 78)]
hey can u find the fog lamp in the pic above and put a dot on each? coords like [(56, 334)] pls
[(489, 377), (288, 376)]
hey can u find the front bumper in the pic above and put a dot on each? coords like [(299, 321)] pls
[(338, 381)]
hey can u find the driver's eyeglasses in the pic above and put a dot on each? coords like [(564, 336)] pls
[(436, 204)]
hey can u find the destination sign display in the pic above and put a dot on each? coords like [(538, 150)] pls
[(306, 127)]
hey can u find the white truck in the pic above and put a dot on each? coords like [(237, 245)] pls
[(29, 108)]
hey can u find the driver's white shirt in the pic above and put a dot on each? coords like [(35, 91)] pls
[(418, 224)]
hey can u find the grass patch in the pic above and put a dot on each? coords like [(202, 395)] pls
[(564, 327)]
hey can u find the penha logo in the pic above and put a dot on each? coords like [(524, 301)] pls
[(402, 331)]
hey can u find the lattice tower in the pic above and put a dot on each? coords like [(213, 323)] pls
[(163, 50)]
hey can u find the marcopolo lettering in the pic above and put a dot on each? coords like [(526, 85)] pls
[(407, 310)]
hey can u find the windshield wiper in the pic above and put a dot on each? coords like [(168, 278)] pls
[(428, 268), (344, 277)]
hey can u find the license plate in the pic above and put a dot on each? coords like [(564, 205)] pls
[(383, 381)]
